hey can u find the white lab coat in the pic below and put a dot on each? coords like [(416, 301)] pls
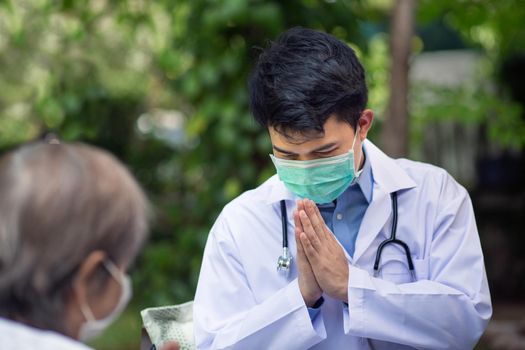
[(242, 302)]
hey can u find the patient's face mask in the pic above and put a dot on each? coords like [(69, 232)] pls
[(321, 180), (93, 327)]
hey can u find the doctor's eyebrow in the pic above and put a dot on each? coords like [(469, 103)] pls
[(280, 150), (328, 147)]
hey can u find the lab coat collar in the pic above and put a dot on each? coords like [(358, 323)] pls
[(366, 180), (388, 175), (278, 191)]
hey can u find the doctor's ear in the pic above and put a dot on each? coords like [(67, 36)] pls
[(365, 123)]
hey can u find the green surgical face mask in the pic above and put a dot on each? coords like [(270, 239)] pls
[(321, 180)]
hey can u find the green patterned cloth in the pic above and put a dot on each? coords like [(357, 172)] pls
[(173, 322)]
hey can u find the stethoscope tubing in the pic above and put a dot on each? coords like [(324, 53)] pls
[(284, 220), (393, 239)]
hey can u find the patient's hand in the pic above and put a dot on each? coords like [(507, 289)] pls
[(172, 345), (146, 344)]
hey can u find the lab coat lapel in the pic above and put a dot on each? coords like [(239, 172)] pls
[(375, 218), (388, 177)]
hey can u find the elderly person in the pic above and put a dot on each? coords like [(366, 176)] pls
[(72, 220)]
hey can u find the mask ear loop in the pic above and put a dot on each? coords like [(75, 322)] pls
[(113, 270), (116, 274), (357, 172), (355, 135), (122, 278), (87, 313)]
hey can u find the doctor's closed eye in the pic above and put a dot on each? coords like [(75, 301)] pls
[(326, 150), (317, 154), (327, 153), (285, 155)]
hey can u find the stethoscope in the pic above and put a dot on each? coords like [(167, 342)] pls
[(285, 260)]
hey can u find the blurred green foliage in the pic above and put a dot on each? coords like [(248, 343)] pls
[(474, 102), (126, 74), (494, 25), (96, 71), (494, 29)]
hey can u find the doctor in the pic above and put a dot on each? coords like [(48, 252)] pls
[(342, 200)]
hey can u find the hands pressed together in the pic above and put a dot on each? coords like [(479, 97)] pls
[(321, 261)]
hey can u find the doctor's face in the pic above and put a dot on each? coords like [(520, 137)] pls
[(337, 139)]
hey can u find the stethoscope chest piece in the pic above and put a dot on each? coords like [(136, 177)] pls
[(284, 262)]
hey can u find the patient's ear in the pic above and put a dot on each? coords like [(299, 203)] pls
[(85, 290), (87, 280)]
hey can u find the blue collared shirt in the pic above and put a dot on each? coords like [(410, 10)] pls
[(344, 216)]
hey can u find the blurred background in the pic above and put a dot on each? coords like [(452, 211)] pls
[(162, 85)]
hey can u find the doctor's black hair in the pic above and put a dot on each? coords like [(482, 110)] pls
[(302, 79)]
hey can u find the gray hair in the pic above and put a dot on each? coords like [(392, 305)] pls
[(59, 203)]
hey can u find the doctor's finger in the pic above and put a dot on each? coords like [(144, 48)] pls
[(300, 204), (326, 230), (310, 252), (316, 219), (297, 221), (329, 239), (309, 230), (300, 250)]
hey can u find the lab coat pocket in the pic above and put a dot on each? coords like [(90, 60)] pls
[(421, 267), (394, 268)]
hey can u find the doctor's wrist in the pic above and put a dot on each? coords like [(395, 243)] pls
[(312, 300), (318, 303)]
